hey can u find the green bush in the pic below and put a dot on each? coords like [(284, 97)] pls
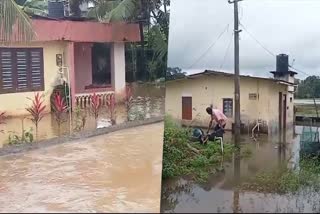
[(180, 160), (287, 181)]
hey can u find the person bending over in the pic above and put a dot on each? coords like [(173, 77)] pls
[(217, 117)]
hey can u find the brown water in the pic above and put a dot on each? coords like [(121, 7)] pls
[(118, 172), (148, 101), (219, 193)]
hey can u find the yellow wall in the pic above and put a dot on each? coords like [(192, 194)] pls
[(14, 104), (208, 90)]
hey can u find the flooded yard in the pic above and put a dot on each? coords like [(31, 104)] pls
[(222, 192), (118, 172), (148, 102)]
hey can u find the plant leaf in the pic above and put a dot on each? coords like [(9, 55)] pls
[(11, 16)]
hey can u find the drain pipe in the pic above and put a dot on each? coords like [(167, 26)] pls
[(69, 96)]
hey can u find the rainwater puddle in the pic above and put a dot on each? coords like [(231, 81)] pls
[(220, 192)]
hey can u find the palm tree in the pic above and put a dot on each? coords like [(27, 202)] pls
[(13, 19), (35, 7), (114, 10), (153, 23)]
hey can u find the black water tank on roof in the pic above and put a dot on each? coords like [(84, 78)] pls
[(282, 63), (56, 8)]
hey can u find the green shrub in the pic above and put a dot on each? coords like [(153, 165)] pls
[(287, 181), (180, 160)]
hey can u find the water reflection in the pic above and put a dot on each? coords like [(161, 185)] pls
[(221, 193), (148, 101), (236, 194)]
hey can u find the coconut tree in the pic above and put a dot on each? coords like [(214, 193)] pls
[(153, 19), (35, 7), (124, 10), (114, 10), (40, 7), (13, 19)]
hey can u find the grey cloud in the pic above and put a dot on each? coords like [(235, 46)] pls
[(283, 26)]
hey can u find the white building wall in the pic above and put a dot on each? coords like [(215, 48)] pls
[(118, 67)]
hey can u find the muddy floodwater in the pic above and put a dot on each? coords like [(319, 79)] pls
[(118, 172), (148, 102), (220, 193)]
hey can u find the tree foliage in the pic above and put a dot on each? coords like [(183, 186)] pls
[(117, 10), (148, 59), (174, 73), (13, 19), (309, 88), (35, 7), (153, 18)]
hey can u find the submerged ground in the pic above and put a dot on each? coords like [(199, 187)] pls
[(147, 102), (248, 183), (118, 172)]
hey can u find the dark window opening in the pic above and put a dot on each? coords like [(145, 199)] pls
[(187, 108), (21, 70), (101, 64), (253, 96), (228, 107)]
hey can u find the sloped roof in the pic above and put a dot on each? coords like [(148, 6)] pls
[(220, 73)]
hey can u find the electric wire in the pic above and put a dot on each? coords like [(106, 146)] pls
[(226, 53), (208, 49)]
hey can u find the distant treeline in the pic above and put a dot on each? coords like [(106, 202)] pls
[(308, 88)]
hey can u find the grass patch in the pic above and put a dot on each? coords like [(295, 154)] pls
[(284, 180), (308, 110), (180, 160)]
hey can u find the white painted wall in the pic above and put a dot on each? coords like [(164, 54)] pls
[(118, 67)]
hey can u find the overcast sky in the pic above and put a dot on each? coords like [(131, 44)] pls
[(282, 26)]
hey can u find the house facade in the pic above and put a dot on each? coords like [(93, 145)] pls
[(264, 99), (89, 56)]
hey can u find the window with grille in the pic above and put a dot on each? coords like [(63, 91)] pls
[(21, 70), (252, 96), (228, 107)]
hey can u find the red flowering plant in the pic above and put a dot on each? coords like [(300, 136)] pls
[(95, 105), (60, 107), (111, 104), (128, 99), (2, 118), (37, 110)]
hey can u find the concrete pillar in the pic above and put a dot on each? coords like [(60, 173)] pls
[(71, 65), (118, 68)]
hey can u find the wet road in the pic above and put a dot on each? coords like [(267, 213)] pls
[(118, 172)]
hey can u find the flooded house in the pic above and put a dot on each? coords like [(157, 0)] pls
[(87, 55), (268, 101)]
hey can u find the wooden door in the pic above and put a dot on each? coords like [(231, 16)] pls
[(284, 112), (187, 108), (280, 111)]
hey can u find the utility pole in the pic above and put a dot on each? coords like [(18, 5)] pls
[(236, 73)]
